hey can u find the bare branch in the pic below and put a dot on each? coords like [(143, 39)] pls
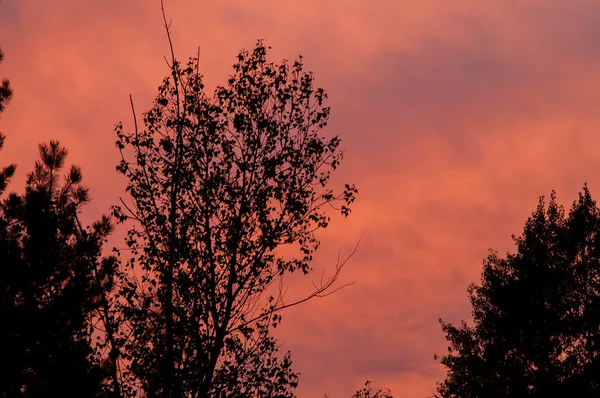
[(320, 291)]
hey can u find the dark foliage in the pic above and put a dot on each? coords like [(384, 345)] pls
[(49, 277), (49, 286), (536, 313), (219, 186)]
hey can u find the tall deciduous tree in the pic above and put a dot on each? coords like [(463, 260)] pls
[(227, 191), (536, 313)]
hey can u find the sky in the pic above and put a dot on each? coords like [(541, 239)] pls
[(455, 117)]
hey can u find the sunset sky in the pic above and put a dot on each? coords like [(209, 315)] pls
[(455, 117)]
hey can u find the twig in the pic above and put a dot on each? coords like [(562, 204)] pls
[(319, 292)]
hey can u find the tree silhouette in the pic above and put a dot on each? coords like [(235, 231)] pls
[(536, 313), (48, 280), (227, 193), (55, 285), (50, 269)]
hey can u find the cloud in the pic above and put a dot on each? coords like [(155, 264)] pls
[(455, 117)]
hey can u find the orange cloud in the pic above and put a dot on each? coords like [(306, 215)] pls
[(455, 117)]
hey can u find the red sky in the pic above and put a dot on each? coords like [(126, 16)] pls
[(455, 117)]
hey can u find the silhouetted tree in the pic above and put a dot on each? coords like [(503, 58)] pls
[(536, 313), (5, 94), (50, 274), (227, 192)]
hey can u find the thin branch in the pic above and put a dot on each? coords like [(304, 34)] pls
[(168, 29), (135, 124), (319, 292), (198, 64)]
